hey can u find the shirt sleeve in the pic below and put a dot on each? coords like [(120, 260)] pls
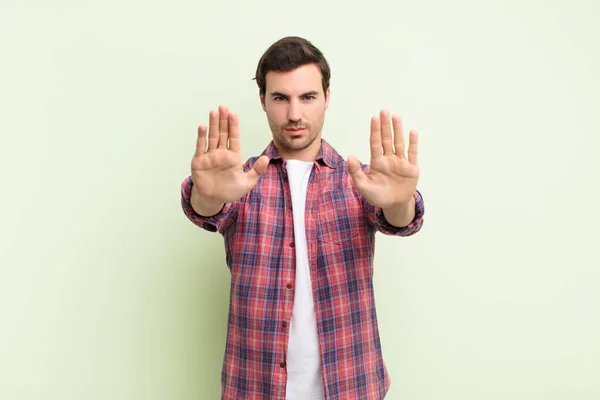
[(377, 219), (216, 223)]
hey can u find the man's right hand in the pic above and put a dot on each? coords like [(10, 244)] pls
[(217, 169)]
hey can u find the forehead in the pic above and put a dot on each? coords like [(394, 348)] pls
[(303, 79)]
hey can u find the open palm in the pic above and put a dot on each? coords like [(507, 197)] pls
[(217, 170), (392, 176)]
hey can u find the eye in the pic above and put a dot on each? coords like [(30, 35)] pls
[(279, 98), (309, 97)]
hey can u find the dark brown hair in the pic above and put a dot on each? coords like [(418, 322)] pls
[(288, 54)]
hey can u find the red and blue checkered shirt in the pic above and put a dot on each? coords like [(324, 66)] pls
[(259, 246)]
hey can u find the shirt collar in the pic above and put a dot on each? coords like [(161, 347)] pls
[(327, 154)]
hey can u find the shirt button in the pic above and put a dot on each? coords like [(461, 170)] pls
[(282, 364), (292, 244), (289, 286), (284, 324)]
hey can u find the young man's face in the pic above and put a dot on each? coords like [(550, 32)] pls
[(295, 105)]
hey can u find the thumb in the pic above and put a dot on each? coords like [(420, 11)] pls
[(356, 172), (258, 169)]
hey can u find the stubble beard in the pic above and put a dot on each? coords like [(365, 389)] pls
[(287, 140)]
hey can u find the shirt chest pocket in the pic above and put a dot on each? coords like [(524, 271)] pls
[(339, 218)]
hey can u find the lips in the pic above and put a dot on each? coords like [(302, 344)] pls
[(294, 129)]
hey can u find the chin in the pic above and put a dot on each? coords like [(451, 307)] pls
[(291, 144)]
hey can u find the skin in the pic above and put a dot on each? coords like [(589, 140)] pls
[(295, 100), (295, 105)]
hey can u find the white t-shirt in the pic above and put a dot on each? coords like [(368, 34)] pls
[(305, 378)]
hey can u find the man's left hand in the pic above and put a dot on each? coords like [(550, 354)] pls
[(391, 178)]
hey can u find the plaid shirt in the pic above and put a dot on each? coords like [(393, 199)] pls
[(259, 244)]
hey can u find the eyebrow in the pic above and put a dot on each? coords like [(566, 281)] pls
[(311, 93)]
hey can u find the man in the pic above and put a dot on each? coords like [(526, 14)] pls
[(299, 228)]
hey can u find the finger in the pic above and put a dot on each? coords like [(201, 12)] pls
[(375, 137), (223, 127), (398, 136), (234, 132), (213, 130), (201, 141), (258, 169), (355, 171), (413, 147), (386, 132)]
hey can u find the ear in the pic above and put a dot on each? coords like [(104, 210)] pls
[(327, 96), (262, 102)]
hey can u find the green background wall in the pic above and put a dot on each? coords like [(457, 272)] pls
[(108, 292)]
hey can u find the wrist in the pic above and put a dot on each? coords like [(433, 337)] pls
[(400, 214), (205, 206)]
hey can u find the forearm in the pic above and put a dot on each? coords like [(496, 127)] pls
[(401, 215), (204, 207)]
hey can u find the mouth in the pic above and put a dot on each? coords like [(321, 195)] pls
[(294, 130)]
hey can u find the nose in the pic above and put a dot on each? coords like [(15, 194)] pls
[(294, 114)]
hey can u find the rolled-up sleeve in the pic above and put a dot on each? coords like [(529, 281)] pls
[(377, 219), (215, 223)]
